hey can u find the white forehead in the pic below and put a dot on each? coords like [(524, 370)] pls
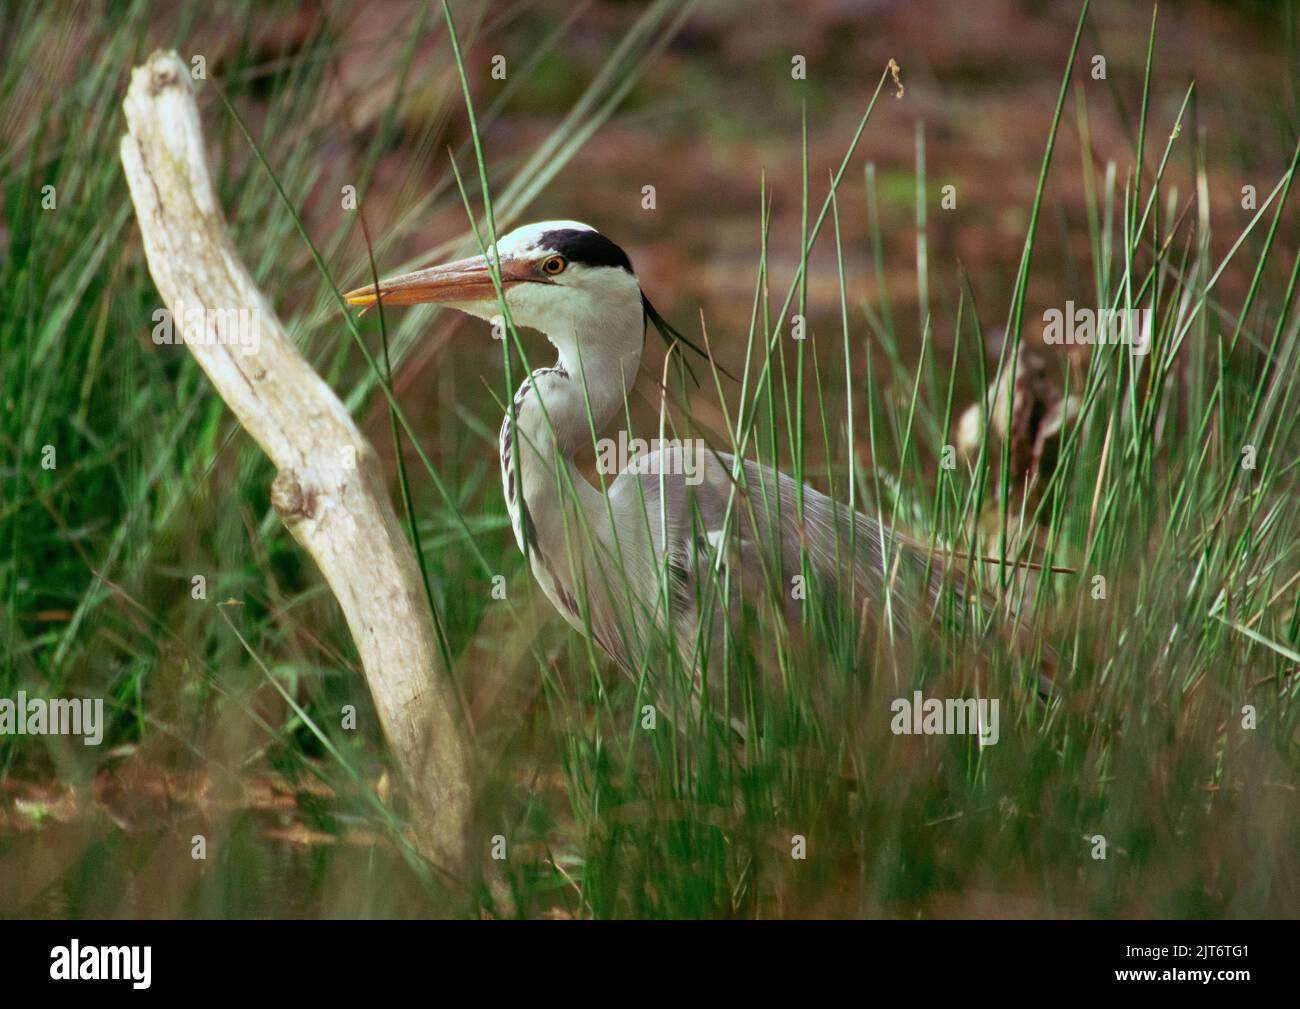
[(528, 238)]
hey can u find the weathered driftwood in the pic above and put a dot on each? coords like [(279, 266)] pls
[(329, 488)]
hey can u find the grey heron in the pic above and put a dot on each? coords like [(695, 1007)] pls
[(639, 555)]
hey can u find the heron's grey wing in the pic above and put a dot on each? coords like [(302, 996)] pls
[(751, 525), (746, 529)]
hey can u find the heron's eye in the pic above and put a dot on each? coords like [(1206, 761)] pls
[(554, 265)]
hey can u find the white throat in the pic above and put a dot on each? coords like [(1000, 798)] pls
[(561, 409)]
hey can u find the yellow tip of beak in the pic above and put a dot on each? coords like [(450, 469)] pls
[(364, 296)]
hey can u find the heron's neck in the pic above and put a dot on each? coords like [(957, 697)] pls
[(557, 411), (568, 404)]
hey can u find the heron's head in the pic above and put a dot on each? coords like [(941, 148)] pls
[(563, 278)]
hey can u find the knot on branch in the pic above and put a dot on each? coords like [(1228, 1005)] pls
[(291, 501)]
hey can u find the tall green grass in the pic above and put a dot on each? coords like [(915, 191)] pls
[(1142, 743), (1172, 735)]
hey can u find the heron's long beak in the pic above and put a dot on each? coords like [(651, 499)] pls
[(464, 280)]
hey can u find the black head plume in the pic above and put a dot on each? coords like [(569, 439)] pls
[(670, 335)]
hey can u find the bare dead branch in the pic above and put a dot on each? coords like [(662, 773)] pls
[(329, 488)]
